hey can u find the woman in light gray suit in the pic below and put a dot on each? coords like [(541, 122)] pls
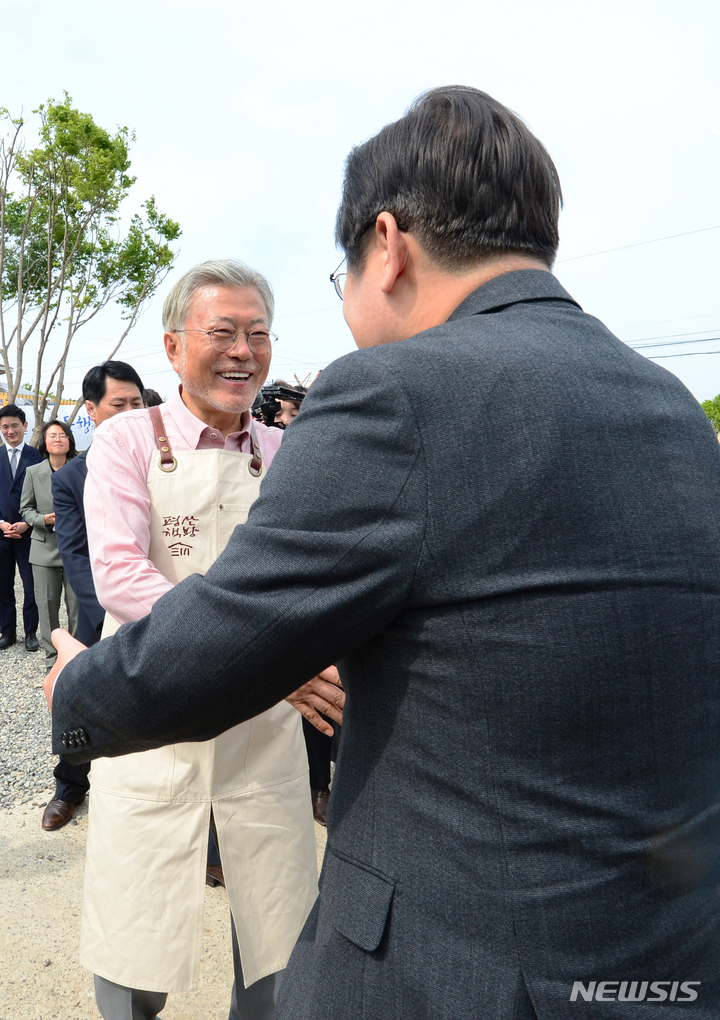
[(57, 446)]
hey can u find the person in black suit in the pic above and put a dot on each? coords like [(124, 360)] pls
[(108, 389), (523, 603), (15, 457)]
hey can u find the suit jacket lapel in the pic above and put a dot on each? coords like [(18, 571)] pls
[(44, 478), (5, 465), (24, 457)]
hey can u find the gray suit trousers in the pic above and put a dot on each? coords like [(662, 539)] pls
[(49, 583), (115, 1002)]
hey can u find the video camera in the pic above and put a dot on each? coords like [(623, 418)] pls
[(267, 403)]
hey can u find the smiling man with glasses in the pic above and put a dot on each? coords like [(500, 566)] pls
[(166, 487)]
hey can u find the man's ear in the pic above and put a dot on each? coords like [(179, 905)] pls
[(90, 408), (173, 348), (394, 251)]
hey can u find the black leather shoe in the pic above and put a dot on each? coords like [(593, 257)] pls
[(7, 639), (58, 813), (31, 642)]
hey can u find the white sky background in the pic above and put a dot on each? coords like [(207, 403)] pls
[(244, 115)]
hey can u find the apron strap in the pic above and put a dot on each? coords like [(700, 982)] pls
[(255, 465), (167, 461)]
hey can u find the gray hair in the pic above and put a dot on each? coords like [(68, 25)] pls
[(214, 273)]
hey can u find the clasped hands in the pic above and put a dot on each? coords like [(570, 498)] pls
[(13, 530), (324, 693)]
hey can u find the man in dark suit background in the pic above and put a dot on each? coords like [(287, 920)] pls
[(15, 457), (524, 607), (108, 389)]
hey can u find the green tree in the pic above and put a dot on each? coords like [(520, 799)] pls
[(712, 410), (63, 254)]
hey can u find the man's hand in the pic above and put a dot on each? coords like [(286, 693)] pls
[(67, 649), (49, 520), (324, 693), (9, 530)]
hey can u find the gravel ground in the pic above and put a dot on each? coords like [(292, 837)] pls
[(42, 876), (26, 764)]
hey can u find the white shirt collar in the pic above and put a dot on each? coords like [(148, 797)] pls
[(11, 448)]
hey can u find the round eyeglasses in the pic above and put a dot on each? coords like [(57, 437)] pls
[(338, 280), (223, 338)]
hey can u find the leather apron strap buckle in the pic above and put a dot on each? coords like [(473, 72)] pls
[(167, 461)]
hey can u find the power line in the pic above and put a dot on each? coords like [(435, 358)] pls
[(686, 354), (674, 343), (637, 244)]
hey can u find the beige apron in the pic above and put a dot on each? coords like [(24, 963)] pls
[(150, 812)]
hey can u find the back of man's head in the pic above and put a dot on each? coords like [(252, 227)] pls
[(463, 173), (151, 398), (95, 381)]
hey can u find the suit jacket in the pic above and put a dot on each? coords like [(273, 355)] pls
[(11, 488), (35, 502), (505, 531), (68, 489)]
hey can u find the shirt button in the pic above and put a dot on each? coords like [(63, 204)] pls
[(214, 435)]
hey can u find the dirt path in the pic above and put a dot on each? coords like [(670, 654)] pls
[(40, 901)]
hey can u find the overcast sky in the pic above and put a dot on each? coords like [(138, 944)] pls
[(244, 115)]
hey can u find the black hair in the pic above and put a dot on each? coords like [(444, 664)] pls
[(42, 445), (13, 411), (151, 398), (463, 173), (95, 381)]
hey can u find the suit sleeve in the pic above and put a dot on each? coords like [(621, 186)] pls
[(72, 544), (325, 561), (28, 505)]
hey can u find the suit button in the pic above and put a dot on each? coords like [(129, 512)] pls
[(82, 736), (64, 739)]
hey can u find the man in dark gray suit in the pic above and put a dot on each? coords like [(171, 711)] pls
[(524, 606)]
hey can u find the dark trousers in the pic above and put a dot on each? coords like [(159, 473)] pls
[(71, 781), (321, 750), (86, 632), (213, 854), (16, 552)]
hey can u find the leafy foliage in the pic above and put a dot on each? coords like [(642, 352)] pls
[(712, 410), (63, 256)]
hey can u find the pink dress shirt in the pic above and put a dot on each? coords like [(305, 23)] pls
[(117, 506)]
